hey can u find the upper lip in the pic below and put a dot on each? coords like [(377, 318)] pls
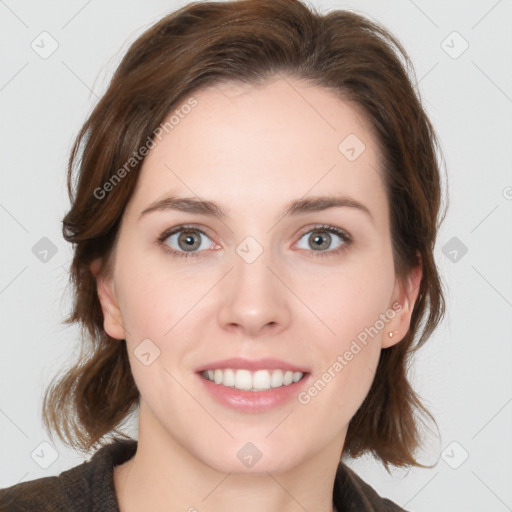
[(238, 363)]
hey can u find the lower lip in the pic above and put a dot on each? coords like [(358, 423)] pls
[(253, 401)]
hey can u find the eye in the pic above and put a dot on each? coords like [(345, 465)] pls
[(321, 237), (184, 241)]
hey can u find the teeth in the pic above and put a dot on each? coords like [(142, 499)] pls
[(261, 380), (277, 378), (228, 378), (245, 380)]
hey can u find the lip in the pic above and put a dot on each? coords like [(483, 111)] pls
[(253, 401), (238, 363)]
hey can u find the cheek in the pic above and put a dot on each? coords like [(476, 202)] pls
[(151, 299), (353, 307), (160, 310), (353, 302)]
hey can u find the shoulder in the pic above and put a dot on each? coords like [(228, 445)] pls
[(44, 494), (354, 494), (86, 487)]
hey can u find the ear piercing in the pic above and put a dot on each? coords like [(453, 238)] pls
[(391, 334)]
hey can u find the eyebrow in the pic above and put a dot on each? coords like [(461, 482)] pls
[(294, 208)]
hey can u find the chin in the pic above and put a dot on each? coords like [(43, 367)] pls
[(242, 456)]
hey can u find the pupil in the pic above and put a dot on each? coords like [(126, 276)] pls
[(188, 240), (318, 240)]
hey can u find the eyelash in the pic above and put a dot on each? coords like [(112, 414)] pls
[(345, 237)]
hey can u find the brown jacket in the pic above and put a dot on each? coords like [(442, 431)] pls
[(89, 487)]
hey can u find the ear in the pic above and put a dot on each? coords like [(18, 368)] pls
[(402, 302), (112, 320)]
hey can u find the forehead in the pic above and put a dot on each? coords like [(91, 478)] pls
[(249, 145)]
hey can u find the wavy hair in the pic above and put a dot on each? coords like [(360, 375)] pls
[(250, 41)]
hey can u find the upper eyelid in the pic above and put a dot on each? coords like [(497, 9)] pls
[(326, 227)]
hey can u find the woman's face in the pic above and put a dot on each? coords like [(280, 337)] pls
[(254, 280)]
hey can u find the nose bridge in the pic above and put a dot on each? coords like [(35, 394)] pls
[(253, 281), (255, 298), (251, 263)]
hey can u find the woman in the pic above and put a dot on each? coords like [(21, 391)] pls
[(254, 220)]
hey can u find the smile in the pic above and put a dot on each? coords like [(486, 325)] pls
[(246, 380)]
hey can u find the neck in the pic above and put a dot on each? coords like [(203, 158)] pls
[(164, 476)]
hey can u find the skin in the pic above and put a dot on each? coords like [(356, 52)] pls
[(253, 150)]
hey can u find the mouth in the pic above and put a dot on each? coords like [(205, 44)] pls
[(247, 380), (253, 386)]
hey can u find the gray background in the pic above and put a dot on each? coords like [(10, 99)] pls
[(463, 373)]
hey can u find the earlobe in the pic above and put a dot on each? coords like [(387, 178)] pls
[(405, 294), (112, 320)]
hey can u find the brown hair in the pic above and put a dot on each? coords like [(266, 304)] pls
[(250, 41)]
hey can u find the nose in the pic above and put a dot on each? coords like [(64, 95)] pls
[(253, 298)]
